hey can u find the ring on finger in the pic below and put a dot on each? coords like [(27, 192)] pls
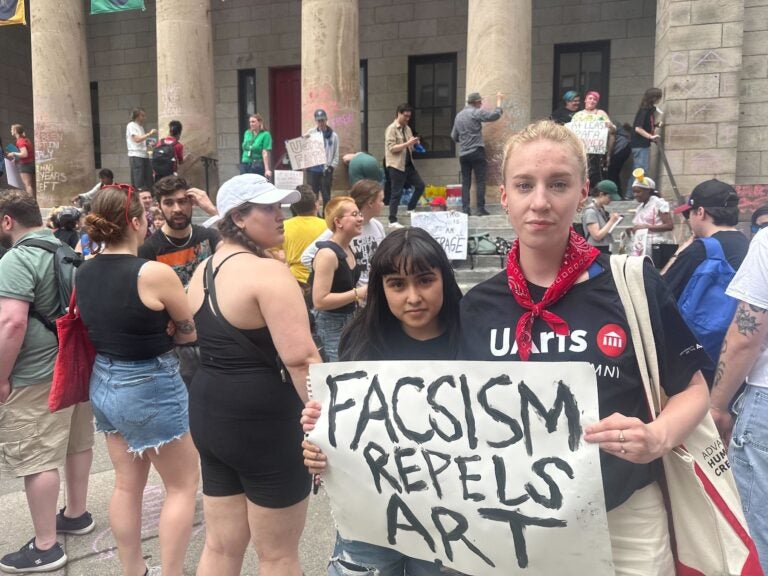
[(621, 436)]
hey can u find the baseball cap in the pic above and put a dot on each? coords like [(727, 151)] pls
[(610, 188), (249, 188), (474, 97), (438, 201), (710, 194), (320, 114)]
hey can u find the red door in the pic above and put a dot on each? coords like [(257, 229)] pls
[(285, 108)]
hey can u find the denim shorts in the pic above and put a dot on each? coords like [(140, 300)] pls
[(145, 401), (353, 558), (329, 326)]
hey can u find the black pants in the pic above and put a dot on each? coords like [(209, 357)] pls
[(399, 180), (321, 183), (595, 168), (614, 170), (141, 173), (473, 162)]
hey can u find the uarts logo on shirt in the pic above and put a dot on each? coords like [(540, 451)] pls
[(612, 340)]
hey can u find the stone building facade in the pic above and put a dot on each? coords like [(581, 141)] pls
[(223, 59)]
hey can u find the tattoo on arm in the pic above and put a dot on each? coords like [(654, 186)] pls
[(746, 318), (185, 326)]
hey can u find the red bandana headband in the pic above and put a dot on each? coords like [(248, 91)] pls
[(579, 256)]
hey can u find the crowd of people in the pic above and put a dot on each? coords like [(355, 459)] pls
[(204, 334)]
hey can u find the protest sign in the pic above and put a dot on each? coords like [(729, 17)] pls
[(593, 134), (479, 465), (305, 152), (288, 179), (12, 174), (450, 229)]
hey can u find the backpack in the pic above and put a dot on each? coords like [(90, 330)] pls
[(481, 244), (65, 262), (705, 306), (163, 157)]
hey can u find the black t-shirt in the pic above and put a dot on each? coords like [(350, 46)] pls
[(599, 335), (69, 237), (181, 254), (644, 120), (561, 115), (734, 244), (400, 346)]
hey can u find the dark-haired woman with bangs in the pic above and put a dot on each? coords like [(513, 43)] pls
[(412, 313), (138, 398)]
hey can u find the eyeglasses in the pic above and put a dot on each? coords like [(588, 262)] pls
[(126, 188), (355, 214)]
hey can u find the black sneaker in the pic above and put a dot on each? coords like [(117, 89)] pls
[(483, 212), (30, 559), (83, 524)]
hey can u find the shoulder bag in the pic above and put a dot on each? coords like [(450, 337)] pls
[(707, 526), (74, 361)]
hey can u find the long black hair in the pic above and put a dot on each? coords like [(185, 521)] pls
[(408, 251)]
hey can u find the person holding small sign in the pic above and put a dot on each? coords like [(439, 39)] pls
[(591, 113), (412, 314), (557, 301)]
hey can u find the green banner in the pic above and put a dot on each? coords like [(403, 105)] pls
[(103, 6)]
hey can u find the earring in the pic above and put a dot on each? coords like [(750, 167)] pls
[(506, 209)]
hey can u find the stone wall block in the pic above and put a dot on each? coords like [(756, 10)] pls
[(692, 37), (753, 138), (729, 84), (712, 110), (755, 43), (714, 60), (727, 135), (692, 86), (709, 11), (690, 136), (621, 9), (399, 13), (417, 29), (733, 34), (679, 13), (748, 164), (756, 18)]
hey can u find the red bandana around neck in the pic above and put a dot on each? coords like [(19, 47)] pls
[(578, 257)]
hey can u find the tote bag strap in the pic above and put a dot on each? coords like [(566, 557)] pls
[(628, 277)]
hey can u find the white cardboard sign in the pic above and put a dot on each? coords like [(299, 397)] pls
[(480, 465), (450, 229), (12, 174), (288, 179), (593, 134), (305, 152)]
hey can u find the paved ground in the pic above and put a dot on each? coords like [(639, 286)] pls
[(95, 553)]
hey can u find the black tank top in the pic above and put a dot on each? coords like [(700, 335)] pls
[(221, 353), (344, 278), (119, 325)]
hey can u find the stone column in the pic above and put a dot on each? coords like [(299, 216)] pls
[(185, 84), (330, 71), (63, 132), (499, 60), (698, 63)]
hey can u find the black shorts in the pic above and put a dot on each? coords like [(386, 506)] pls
[(26, 168), (247, 430)]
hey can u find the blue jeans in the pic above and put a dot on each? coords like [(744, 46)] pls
[(353, 558), (748, 453), (641, 158), (329, 327), (145, 401)]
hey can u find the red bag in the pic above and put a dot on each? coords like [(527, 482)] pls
[(74, 362)]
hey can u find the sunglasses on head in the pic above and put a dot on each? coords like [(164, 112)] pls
[(129, 191)]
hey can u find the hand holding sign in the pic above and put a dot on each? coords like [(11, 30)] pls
[(478, 465)]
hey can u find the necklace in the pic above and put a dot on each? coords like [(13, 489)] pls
[(187, 241)]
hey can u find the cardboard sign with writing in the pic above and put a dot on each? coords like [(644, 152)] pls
[(450, 229), (593, 134), (481, 466), (12, 174), (305, 152), (288, 179)]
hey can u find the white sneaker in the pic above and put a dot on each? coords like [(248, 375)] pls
[(395, 225)]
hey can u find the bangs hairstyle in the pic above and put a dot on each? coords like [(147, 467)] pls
[(407, 251), (552, 132), (335, 209)]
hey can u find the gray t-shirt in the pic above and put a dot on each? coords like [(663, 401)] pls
[(594, 214), (26, 274)]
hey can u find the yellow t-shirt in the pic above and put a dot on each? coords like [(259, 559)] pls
[(300, 232)]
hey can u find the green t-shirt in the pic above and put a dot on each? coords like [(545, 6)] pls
[(26, 273), (364, 167), (253, 144)]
